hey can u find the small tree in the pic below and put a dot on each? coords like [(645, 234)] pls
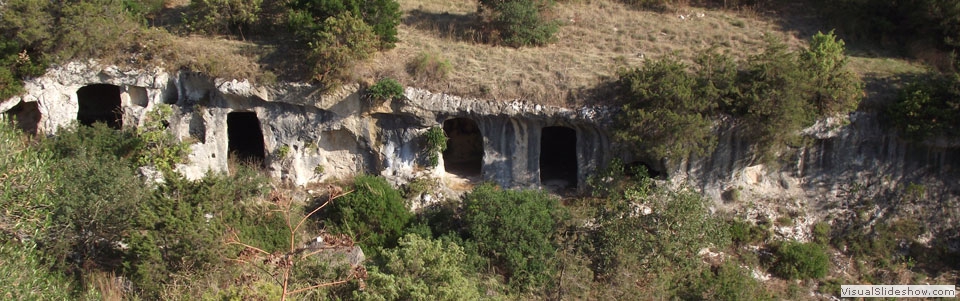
[(515, 229), (519, 22), (344, 40), (836, 88), (286, 261), (797, 260), (665, 114)]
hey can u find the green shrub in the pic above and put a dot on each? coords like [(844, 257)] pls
[(744, 233), (373, 214), (184, 229), (821, 233), (727, 282), (436, 141), (422, 269), (836, 88), (795, 260), (308, 17), (520, 22), (223, 16), (627, 237), (428, 67), (341, 41), (159, 147), (927, 107), (664, 113), (385, 89), (98, 200), (514, 229)]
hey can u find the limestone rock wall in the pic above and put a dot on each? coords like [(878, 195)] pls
[(311, 136)]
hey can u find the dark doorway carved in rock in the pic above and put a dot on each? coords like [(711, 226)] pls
[(100, 103), (558, 157), (245, 138), (464, 153)]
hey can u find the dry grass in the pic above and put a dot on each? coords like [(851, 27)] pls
[(597, 39)]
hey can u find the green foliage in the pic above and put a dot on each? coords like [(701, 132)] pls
[(669, 108), (308, 17), (341, 41), (514, 229), (927, 107), (665, 113), (836, 89), (423, 269), (223, 16), (92, 28), (385, 89), (795, 260), (98, 198), (429, 67), (630, 236), (745, 233), (26, 276), (283, 151), (187, 214), (374, 213), (436, 143), (821, 233), (727, 282), (160, 148), (520, 22), (775, 98)]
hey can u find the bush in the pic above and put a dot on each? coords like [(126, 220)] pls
[(374, 213), (836, 89), (436, 144), (98, 200), (627, 236), (665, 114), (341, 41), (422, 269), (795, 260), (927, 107), (519, 22), (428, 67), (307, 17), (728, 282), (223, 16), (515, 229), (385, 89), (743, 232)]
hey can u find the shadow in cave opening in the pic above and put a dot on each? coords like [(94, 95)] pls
[(25, 116), (100, 103), (245, 138), (464, 153), (558, 157)]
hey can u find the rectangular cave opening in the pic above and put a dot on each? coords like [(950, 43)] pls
[(100, 103), (464, 153), (245, 138), (25, 116), (558, 157)]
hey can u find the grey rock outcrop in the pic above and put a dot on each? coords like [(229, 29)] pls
[(311, 136)]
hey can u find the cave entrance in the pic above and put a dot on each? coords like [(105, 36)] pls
[(558, 157), (25, 116), (244, 138), (464, 153), (100, 103)]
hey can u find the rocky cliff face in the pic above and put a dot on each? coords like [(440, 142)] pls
[(308, 136)]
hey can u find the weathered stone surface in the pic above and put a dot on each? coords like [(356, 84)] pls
[(322, 136), (309, 136)]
